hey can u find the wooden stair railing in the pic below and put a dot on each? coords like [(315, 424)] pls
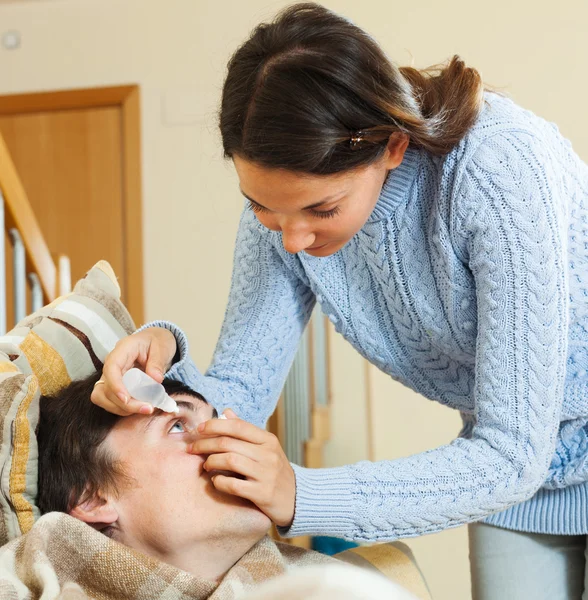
[(32, 259)]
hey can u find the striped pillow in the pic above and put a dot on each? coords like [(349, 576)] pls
[(64, 341)]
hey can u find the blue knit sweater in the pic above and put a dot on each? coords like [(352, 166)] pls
[(468, 284)]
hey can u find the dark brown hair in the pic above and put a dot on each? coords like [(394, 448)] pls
[(73, 463), (301, 86)]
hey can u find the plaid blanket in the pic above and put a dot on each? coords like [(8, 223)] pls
[(63, 558)]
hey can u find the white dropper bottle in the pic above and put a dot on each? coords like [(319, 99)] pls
[(145, 389)]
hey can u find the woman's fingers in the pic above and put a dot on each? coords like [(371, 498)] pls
[(236, 463), (235, 486), (236, 446), (279, 507), (162, 347), (224, 444), (110, 393), (117, 363), (113, 408), (235, 428), (152, 350), (108, 400)]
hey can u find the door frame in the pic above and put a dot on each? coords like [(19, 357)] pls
[(127, 98)]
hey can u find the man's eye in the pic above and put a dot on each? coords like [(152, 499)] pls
[(179, 425)]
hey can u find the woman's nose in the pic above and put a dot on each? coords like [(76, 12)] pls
[(296, 240)]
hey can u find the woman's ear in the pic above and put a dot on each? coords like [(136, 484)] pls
[(397, 145), (95, 510)]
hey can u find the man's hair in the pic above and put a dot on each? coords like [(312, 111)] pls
[(74, 465)]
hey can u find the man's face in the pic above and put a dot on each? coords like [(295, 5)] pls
[(170, 505)]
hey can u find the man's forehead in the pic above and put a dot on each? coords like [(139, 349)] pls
[(188, 402)]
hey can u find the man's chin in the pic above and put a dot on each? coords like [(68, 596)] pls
[(257, 522), (244, 520), (254, 513), (252, 517)]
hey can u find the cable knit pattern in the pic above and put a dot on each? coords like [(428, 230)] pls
[(468, 284)]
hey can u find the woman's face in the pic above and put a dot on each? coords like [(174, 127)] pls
[(317, 214)]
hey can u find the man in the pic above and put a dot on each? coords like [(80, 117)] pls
[(168, 532), (134, 479)]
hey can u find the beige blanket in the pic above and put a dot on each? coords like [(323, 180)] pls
[(62, 558)]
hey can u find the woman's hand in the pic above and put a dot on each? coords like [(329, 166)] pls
[(238, 446), (151, 350)]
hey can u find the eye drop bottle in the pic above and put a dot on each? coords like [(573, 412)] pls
[(145, 389)]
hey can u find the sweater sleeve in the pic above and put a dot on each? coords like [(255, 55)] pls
[(515, 227), (268, 309)]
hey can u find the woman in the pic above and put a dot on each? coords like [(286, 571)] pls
[(443, 230)]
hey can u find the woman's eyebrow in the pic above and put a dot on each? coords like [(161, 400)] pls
[(315, 205)]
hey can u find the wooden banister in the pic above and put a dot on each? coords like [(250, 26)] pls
[(19, 215)]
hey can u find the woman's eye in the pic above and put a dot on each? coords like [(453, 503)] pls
[(325, 214), (257, 208), (180, 427)]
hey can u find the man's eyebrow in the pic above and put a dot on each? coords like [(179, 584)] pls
[(310, 206), (189, 405), (192, 406)]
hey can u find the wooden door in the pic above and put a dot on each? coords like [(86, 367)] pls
[(74, 165)]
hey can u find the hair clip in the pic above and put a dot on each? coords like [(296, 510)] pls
[(356, 139)]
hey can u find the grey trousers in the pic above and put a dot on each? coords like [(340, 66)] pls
[(512, 565)]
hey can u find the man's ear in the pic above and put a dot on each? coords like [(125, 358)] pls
[(95, 510)]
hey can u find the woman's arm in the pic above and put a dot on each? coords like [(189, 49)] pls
[(268, 308), (517, 254)]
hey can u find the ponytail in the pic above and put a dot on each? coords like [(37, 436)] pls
[(299, 90), (449, 99)]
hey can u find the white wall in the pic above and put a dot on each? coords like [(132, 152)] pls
[(176, 50)]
